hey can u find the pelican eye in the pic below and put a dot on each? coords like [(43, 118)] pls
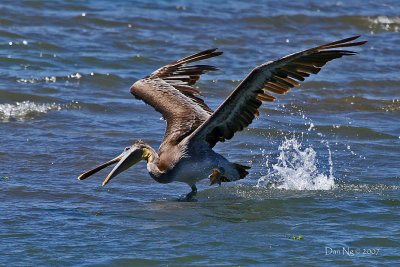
[(127, 148)]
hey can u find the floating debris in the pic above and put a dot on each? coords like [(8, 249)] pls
[(296, 237)]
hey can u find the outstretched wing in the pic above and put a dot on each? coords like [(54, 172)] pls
[(277, 77), (170, 91)]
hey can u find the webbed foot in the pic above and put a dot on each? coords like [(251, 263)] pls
[(215, 177), (189, 197)]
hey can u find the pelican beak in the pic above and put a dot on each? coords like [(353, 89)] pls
[(126, 160), (99, 168)]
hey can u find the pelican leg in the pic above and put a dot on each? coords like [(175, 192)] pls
[(191, 195)]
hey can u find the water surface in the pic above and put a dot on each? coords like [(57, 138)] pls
[(325, 157)]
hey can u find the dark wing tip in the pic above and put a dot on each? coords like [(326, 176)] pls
[(209, 50), (340, 43), (197, 56), (362, 42)]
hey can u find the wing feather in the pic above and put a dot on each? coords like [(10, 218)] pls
[(170, 91), (277, 77)]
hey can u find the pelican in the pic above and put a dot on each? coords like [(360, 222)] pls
[(186, 153)]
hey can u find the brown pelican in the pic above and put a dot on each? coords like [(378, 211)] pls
[(193, 129)]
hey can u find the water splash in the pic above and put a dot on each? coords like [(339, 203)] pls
[(296, 169), (22, 110)]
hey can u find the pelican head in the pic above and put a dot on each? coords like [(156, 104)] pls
[(129, 157)]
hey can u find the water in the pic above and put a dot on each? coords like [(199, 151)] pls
[(297, 169), (324, 183)]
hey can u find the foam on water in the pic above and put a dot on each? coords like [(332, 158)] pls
[(21, 110), (52, 79), (385, 23), (296, 169)]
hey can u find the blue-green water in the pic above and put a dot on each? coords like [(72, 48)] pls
[(324, 185)]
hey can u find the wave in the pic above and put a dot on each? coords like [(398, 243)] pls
[(52, 79), (381, 23), (22, 111), (385, 23), (353, 132), (343, 104), (99, 78)]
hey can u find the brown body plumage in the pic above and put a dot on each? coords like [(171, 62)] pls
[(193, 129)]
